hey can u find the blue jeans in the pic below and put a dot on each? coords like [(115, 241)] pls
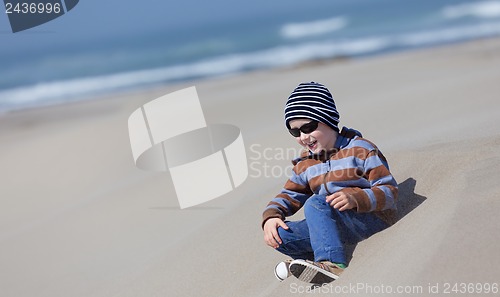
[(322, 235)]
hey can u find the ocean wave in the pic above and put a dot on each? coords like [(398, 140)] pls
[(55, 92), (318, 27), (449, 34), (68, 90), (482, 9)]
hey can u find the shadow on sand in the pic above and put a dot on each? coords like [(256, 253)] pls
[(407, 201)]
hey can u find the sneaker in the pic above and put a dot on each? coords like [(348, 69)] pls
[(315, 272), (282, 270)]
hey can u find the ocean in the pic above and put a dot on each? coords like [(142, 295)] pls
[(41, 75)]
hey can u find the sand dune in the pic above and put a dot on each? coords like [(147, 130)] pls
[(78, 219)]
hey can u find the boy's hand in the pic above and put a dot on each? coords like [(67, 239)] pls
[(271, 236), (341, 201)]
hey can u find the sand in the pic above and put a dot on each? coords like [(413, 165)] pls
[(77, 218)]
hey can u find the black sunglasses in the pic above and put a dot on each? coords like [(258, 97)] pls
[(306, 128)]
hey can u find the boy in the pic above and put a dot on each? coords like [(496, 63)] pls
[(341, 179)]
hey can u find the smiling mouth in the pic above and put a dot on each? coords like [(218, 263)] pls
[(312, 145)]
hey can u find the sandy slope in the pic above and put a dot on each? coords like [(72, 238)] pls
[(78, 219)]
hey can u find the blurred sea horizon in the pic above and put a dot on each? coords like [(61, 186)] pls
[(342, 29)]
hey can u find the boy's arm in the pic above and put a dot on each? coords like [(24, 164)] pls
[(291, 199), (383, 190)]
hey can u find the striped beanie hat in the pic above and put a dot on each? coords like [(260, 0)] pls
[(312, 101)]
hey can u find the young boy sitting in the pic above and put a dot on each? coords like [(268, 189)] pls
[(343, 182)]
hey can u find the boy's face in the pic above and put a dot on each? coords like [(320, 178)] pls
[(321, 139)]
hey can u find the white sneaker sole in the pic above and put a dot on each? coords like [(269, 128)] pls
[(281, 271), (311, 273)]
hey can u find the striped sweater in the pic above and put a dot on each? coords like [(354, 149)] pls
[(354, 166)]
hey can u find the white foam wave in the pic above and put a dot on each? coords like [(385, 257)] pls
[(66, 90), (63, 91), (480, 9), (54, 92), (450, 34), (318, 27)]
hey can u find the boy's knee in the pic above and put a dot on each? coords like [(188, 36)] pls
[(284, 234), (286, 238), (317, 202)]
